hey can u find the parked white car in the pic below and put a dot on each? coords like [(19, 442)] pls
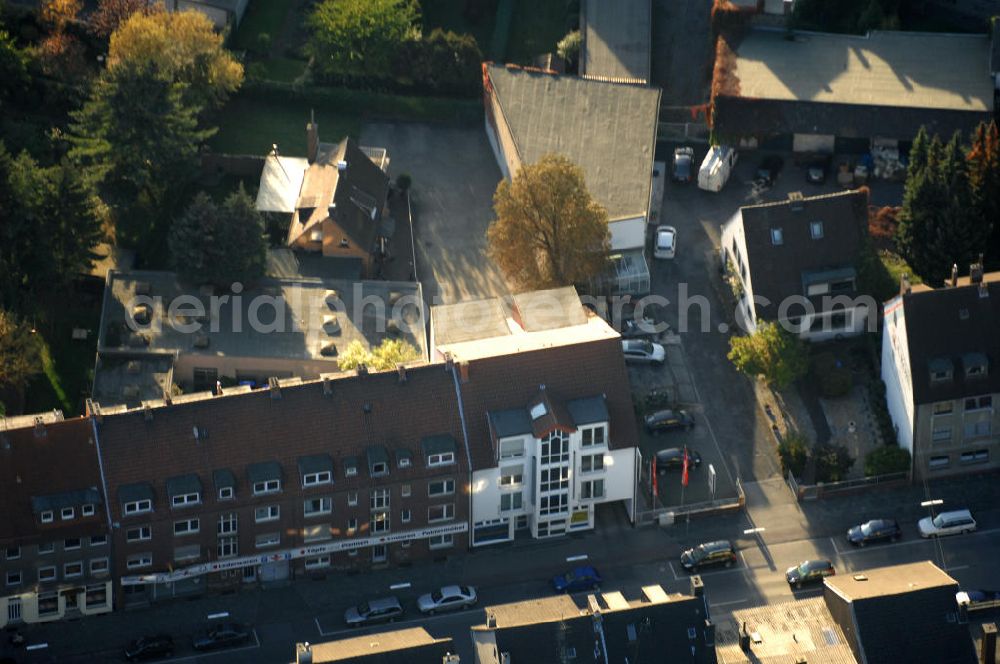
[(947, 523), (640, 350), (447, 599), (665, 242)]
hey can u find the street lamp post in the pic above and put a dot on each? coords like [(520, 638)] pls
[(930, 504)]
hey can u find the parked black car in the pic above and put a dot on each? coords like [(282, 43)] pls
[(148, 647), (669, 420), (673, 459), (709, 553), (876, 530), (809, 571), (770, 166), (222, 635)]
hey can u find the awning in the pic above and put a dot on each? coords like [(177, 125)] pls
[(130, 493), (56, 501), (316, 463), (264, 472), (182, 485), (439, 444), (224, 478)]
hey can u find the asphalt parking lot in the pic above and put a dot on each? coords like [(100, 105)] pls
[(732, 432), (454, 176)]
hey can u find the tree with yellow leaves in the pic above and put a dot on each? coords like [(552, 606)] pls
[(549, 231), (185, 48)]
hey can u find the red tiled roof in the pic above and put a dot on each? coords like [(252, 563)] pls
[(253, 427), (569, 372), (62, 460)]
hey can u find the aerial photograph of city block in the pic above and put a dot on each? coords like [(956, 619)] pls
[(500, 331)]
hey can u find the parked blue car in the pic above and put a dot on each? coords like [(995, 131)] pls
[(577, 579)]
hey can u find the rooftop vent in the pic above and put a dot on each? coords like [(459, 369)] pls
[(331, 325), (141, 314), (39, 427), (327, 387), (329, 349), (147, 413), (860, 577)]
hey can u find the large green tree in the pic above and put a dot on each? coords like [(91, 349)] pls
[(442, 63), (359, 38), (939, 224), (20, 352), (219, 244), (984, 182), (383, 357), (185, 48), (138, 141), (548, 230), (51, 222), (771, 352)]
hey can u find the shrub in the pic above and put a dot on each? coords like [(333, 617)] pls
[(263, 45), (794, 453), (832, 463), (832, 376), (887, 459)]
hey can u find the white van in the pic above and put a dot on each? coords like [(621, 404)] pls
[(947, 523), (716, 168)]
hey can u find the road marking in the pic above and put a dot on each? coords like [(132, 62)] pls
[(919, 540), (319, 628), (743, 558), (834, 543), (360, 631), (735, 601), (203, 655), (674, 572)]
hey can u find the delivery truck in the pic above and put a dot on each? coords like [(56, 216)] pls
[(716, 167)]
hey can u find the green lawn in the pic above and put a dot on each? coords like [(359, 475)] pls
[(448, 15), (262, 17), (251, 126), (282, 69), (67, 363), (536, 28), (271, 113)]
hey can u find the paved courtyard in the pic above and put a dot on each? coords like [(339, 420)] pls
[(454, 176)]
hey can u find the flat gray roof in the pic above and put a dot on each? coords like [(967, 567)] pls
[(279, 318), (616, 39), (905, 69), (607, 129)]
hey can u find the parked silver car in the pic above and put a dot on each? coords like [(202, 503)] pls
[(385, 609), (447, 598), (947, 523), (640, 350)]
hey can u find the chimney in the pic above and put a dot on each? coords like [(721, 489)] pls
[(218, 388), (954, 275), (904, 284), (312, 138), (401, 370), (147, 413), (303, 653), (449, 362), (463, 372), (988, 654), (976, 271), (39, 427), (697, 586), (93, 409), (491, 621), (327, 386)]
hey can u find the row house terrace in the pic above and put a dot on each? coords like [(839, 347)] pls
[(342, 473), (54, 549)]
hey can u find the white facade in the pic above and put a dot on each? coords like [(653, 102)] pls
[(896, 373), (550, 486), (734, 254)]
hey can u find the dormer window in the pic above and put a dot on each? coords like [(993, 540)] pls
[(265, 477), (47, 516), (184, 490), (777, 236), (267, 486), (313, 479), (538, 410), (344, 244), (316, 470), (138, 507), (380, 468), (816, 230), (941, 370), (67, 513), (316, 235), (185, 499), (442, 459), (975, 364)]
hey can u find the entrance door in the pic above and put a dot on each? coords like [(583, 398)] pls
[(379, 553), (249, 574), (14, 609)]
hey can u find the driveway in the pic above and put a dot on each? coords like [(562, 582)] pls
[(725, 398), (454, 177), (682, 50)]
